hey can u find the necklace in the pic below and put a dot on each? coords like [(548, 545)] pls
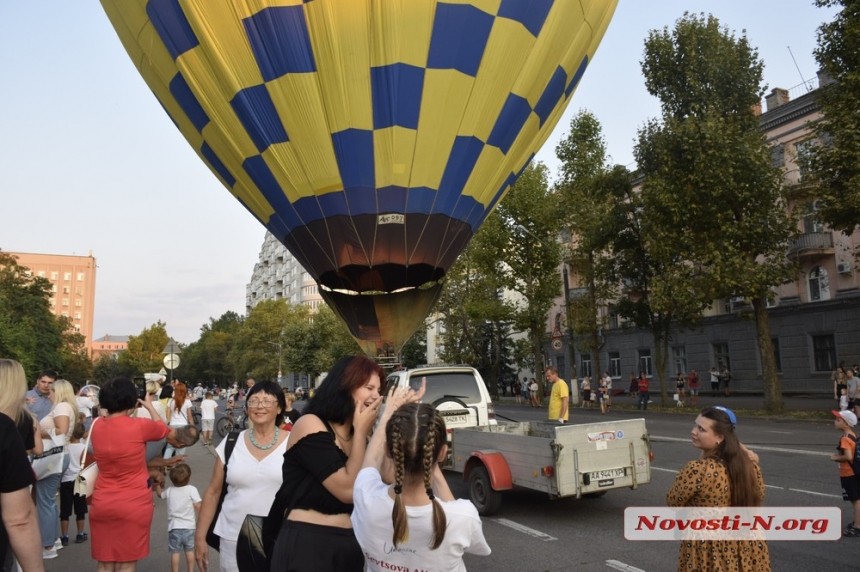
[(341, 438), (264, 447)]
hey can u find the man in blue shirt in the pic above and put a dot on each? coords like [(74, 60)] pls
[(39, 398)]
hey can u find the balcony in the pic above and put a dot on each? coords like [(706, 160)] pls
[(576, 293), (811, 244)]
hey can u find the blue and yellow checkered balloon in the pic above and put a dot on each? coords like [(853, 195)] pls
[(372, 137)]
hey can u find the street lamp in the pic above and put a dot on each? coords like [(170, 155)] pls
[(279, 360)]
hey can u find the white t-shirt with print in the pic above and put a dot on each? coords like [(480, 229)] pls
[(207, 408), (180, 507), (61, 409), (371, 520)]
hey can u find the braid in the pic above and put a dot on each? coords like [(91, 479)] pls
[(399, 518), (440, 523)]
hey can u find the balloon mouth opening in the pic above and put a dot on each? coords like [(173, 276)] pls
[(425, 286)]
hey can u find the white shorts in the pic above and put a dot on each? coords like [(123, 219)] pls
[(207, 424)]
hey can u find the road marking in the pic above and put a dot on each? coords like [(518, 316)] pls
[(524, 529), (653, 468), (616, 565), (774, 487), (754, 448), (816, 494), (780, 432)]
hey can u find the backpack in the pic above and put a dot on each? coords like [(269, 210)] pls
[(855, 462)]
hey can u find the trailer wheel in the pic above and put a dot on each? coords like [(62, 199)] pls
[(594, 495), (485, 499)]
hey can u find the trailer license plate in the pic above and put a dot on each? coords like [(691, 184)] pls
[(606, 474), (456, 418)]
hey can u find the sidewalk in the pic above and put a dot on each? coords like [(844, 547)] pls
[(77, 556), (817, 402)]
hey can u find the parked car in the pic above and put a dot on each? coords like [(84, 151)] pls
[(458, 392)]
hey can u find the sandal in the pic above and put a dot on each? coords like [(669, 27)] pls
[(851, 532)]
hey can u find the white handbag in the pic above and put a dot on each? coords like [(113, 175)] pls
[(85, 482)]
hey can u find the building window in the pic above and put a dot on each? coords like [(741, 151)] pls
[(614, 364), (77, 328), (585, 365), (811, 222), (645, 362), (679, 354), (53, 302), (65, 302), (54, 288), (65, 314), (41, 274), (67, 276), (560, 366), (77, 315), (78, 303), (819, 285), (55, 275), (79, 290), (721, 356), (824, 352), (66, 290), (777, 357), (80, 276)]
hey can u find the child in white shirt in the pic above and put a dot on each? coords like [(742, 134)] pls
[(68, 498), (843, 400), (183, 507)]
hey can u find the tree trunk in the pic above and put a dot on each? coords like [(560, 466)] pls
[(661, 343), (537, 334), (772, 388)]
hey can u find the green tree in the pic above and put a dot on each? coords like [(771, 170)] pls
[(77, 365), (414, 351), (710, 191), (589, 212), (145, 351), (834, 165), (108, 367), (29, 331), (532, 254), (333, 338), (207, 358)]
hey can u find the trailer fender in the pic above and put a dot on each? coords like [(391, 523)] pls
[(496, 465)]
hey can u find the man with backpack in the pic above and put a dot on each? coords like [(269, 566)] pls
[(848, 458)]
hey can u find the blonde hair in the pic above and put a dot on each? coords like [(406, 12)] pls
[(13, 389), (152, 387), (63, 391)]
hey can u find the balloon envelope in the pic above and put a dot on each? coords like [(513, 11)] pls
[(371, 137)]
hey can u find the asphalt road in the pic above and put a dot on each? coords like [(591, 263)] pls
[(533, 533)]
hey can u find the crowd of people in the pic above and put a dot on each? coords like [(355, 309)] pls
[(352, 483)]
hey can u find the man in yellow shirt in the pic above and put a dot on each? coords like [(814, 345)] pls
[(559, 397)]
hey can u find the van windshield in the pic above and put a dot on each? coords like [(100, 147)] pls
[(462, 385)]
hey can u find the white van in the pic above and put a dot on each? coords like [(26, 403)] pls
[(457, 391)]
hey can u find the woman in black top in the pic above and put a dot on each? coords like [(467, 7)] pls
[(324, 455)]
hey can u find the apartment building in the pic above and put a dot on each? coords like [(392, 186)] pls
[(815, 319), (278, 276), (109, 346), (73, 286)]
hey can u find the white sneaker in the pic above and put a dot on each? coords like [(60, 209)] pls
[(58, 544), (49, 554)]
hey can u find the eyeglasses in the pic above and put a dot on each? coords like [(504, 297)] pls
[(267, 403)]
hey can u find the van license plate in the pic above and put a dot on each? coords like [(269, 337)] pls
[(456, 418), (606, 474)]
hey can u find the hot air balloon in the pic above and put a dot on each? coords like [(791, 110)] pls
[(371, 137)]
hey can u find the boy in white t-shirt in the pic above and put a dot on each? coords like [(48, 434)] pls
[(183, 507), (207, 417)]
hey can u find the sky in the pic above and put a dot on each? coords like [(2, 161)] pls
[(90, 161)]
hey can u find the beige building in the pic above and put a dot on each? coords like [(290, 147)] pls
[(109, 346), (73, 286)]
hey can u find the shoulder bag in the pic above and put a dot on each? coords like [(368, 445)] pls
[(85, 482), (213, 539)]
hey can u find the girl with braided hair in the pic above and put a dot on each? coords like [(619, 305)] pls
[(405, 515)]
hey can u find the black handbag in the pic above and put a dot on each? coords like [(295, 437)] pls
[(213, 539), (250, 549)]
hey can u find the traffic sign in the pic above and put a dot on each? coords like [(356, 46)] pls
[(171, 361)]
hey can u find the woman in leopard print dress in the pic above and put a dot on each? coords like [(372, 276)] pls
[(726, 474)]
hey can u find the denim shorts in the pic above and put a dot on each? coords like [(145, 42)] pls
[(180, 540)]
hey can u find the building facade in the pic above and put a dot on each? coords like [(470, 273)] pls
[(73, 286), (109, 346), (278, 276), (814, 320)]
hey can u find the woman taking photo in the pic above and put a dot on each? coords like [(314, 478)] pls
[(178, 415), (734, 480), (415, 523), (253, 475), (121, 511), (57, 427), (323, 458)]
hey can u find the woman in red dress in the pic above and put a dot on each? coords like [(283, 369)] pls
[(121, 512)]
